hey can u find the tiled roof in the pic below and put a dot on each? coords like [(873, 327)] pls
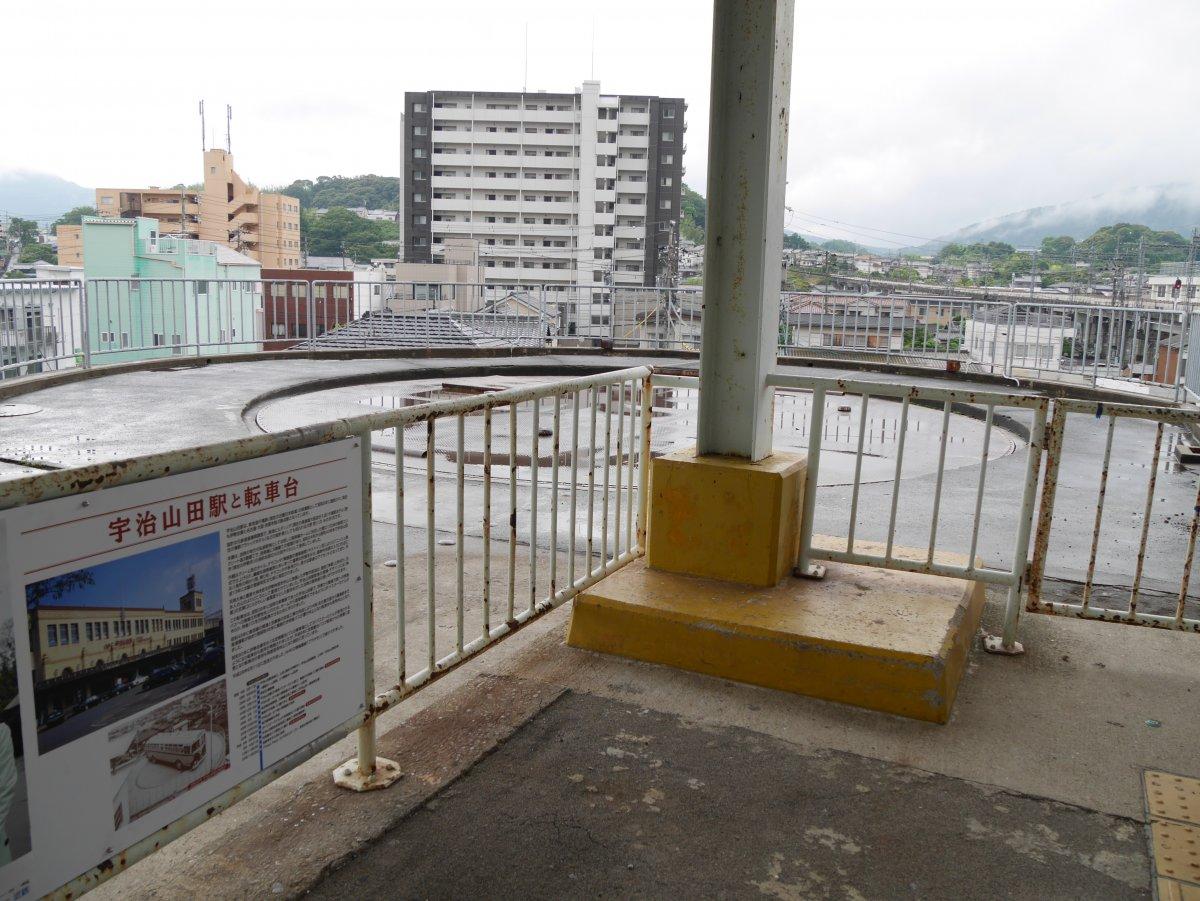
[(434, 328)]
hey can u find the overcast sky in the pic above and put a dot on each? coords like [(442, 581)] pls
[(911, 118)]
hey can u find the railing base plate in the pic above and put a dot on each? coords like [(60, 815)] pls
[(994, 644), (811, 571), (348, 776)]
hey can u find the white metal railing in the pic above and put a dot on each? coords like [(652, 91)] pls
[(538, 494), (1157, 553), (993, 530), (48, 325), (509, 503)]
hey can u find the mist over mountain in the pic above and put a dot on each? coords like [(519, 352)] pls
[(1167, 207), (39, 195)]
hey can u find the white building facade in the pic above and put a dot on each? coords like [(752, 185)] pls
[(557, 189)]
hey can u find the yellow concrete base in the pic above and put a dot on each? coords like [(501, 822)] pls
[(724, 517), (885, 640)]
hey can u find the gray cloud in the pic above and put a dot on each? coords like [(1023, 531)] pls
[(914, 118)]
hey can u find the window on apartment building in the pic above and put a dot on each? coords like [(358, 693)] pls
[(510, 153), (510, 220), (509, 242), (107, 198), (419, 153), (490, 196), (418, 175), (546, 222), (490, 128), (420, 242), (510, 129), (419, 131), (420, 107), (489, 218), (528, 220), (530, 130), (528, 242), (420, 219), (510, 196), (418, 197), (509, 264), (665, 181), (548, 198), (491, 175), (666, 159), (668, 136), (668, 112)]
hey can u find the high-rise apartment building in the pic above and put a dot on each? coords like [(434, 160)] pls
[(224, 209), (557, 189)]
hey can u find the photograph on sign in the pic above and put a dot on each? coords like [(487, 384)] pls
[(112, 639), (14, 793), (168, 752)]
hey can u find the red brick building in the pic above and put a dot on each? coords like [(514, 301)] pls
[(287, 310)]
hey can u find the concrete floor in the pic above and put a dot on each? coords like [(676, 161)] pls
[(1070, 722), (597, 798)]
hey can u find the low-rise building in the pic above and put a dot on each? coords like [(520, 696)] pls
[(305, 303), (222, 208), (147, 292), (66, 640)]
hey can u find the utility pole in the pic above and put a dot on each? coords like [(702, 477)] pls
[(1033, 275), (1141, 268), (228, 120), (1188, 267)]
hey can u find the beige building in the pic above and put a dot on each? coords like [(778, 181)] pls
[(67, 640), (224, 209)]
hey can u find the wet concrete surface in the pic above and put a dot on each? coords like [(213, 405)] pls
[(596, 798)]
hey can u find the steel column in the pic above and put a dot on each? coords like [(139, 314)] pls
[(747, 157)]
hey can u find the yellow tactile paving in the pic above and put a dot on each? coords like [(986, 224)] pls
[(1176, 850), (1174, 890), (1172, 797)]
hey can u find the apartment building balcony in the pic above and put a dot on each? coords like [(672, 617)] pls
[(481, 115), (628, 163), (637, 210), (627, 118), (636, 142), (629, 232), (605, 196), (157, 208)]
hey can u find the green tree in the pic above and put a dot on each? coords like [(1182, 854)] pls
[(840, 245), (375, 192), (339, 232), (23, 231), (793, 241), (75, 216), (1161, 246), (694, 214), (37, 253)]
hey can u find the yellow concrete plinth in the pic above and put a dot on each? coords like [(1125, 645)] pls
[(890, 641), (724, 517)]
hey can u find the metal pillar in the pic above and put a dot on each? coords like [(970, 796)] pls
[(747, 161)]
